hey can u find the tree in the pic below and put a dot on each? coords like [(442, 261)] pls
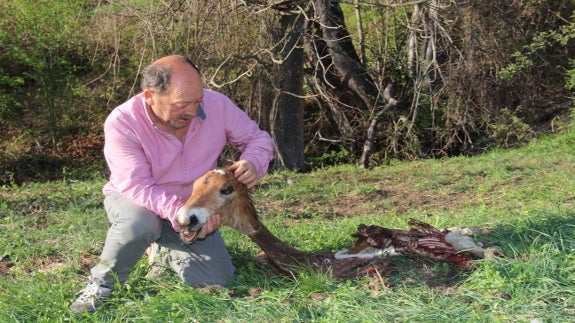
[(336, 77), (280, 87)]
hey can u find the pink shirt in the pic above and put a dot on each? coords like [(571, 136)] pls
[(156, 170)]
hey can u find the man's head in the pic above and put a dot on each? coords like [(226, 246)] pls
[(173, 90)]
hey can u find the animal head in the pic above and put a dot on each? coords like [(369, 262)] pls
[(217, 192)]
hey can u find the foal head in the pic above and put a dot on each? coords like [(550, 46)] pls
[(217, 192)]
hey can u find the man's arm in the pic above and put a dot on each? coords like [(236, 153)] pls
[(256, 146)]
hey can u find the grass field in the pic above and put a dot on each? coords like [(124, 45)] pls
[(53, 232)]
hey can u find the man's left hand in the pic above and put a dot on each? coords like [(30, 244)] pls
[(245, 172)]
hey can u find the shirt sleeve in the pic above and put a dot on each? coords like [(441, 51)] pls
[(244, 133), (131, 172)]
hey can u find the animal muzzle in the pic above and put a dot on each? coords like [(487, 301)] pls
[(190, 233), (191, 222)]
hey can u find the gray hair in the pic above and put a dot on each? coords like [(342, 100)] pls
[(157, 76)]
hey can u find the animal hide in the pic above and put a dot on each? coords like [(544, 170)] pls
[(374, 244)]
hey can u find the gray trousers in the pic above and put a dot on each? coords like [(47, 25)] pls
[(133, 228)]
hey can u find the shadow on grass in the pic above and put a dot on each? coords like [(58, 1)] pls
[(41, 168), (539, 230)]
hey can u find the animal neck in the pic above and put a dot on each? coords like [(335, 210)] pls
[(284, 257)]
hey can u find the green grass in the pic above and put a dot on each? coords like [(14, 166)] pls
[(53, 232)]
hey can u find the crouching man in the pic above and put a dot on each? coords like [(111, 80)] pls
[(156, 144)]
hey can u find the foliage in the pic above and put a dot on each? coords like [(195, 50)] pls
[(511, 130), (463, 77), (560, 40), (472, 98), (522, 198), (469, 76), (332, 157), (41, 62), (68, 63)]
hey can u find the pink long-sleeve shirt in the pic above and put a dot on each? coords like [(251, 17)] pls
[(156, 170)]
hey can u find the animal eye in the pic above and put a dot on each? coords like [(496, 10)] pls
[(226, 190)]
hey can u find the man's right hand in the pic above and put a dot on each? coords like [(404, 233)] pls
[(212, 224)]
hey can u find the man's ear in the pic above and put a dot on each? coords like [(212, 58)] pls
[(149, 97)]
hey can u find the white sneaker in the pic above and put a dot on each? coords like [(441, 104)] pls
[(91, 298)]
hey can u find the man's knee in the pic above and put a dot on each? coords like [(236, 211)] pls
[(221, 275), (204, 263), (147, 227)]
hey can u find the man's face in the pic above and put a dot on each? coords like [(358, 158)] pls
[(177, 108)]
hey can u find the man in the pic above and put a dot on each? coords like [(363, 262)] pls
[(156, 144)]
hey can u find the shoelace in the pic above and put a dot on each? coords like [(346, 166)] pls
[(91, 291)]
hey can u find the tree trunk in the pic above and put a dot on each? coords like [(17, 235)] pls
[(281, 87), (338, 76), (338, 40)]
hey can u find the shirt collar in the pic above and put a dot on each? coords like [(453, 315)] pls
[(201, 113)]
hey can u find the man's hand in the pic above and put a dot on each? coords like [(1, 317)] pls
[(245, 172), (211, 225)]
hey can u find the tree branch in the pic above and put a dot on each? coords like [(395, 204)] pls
[(368, 145)]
